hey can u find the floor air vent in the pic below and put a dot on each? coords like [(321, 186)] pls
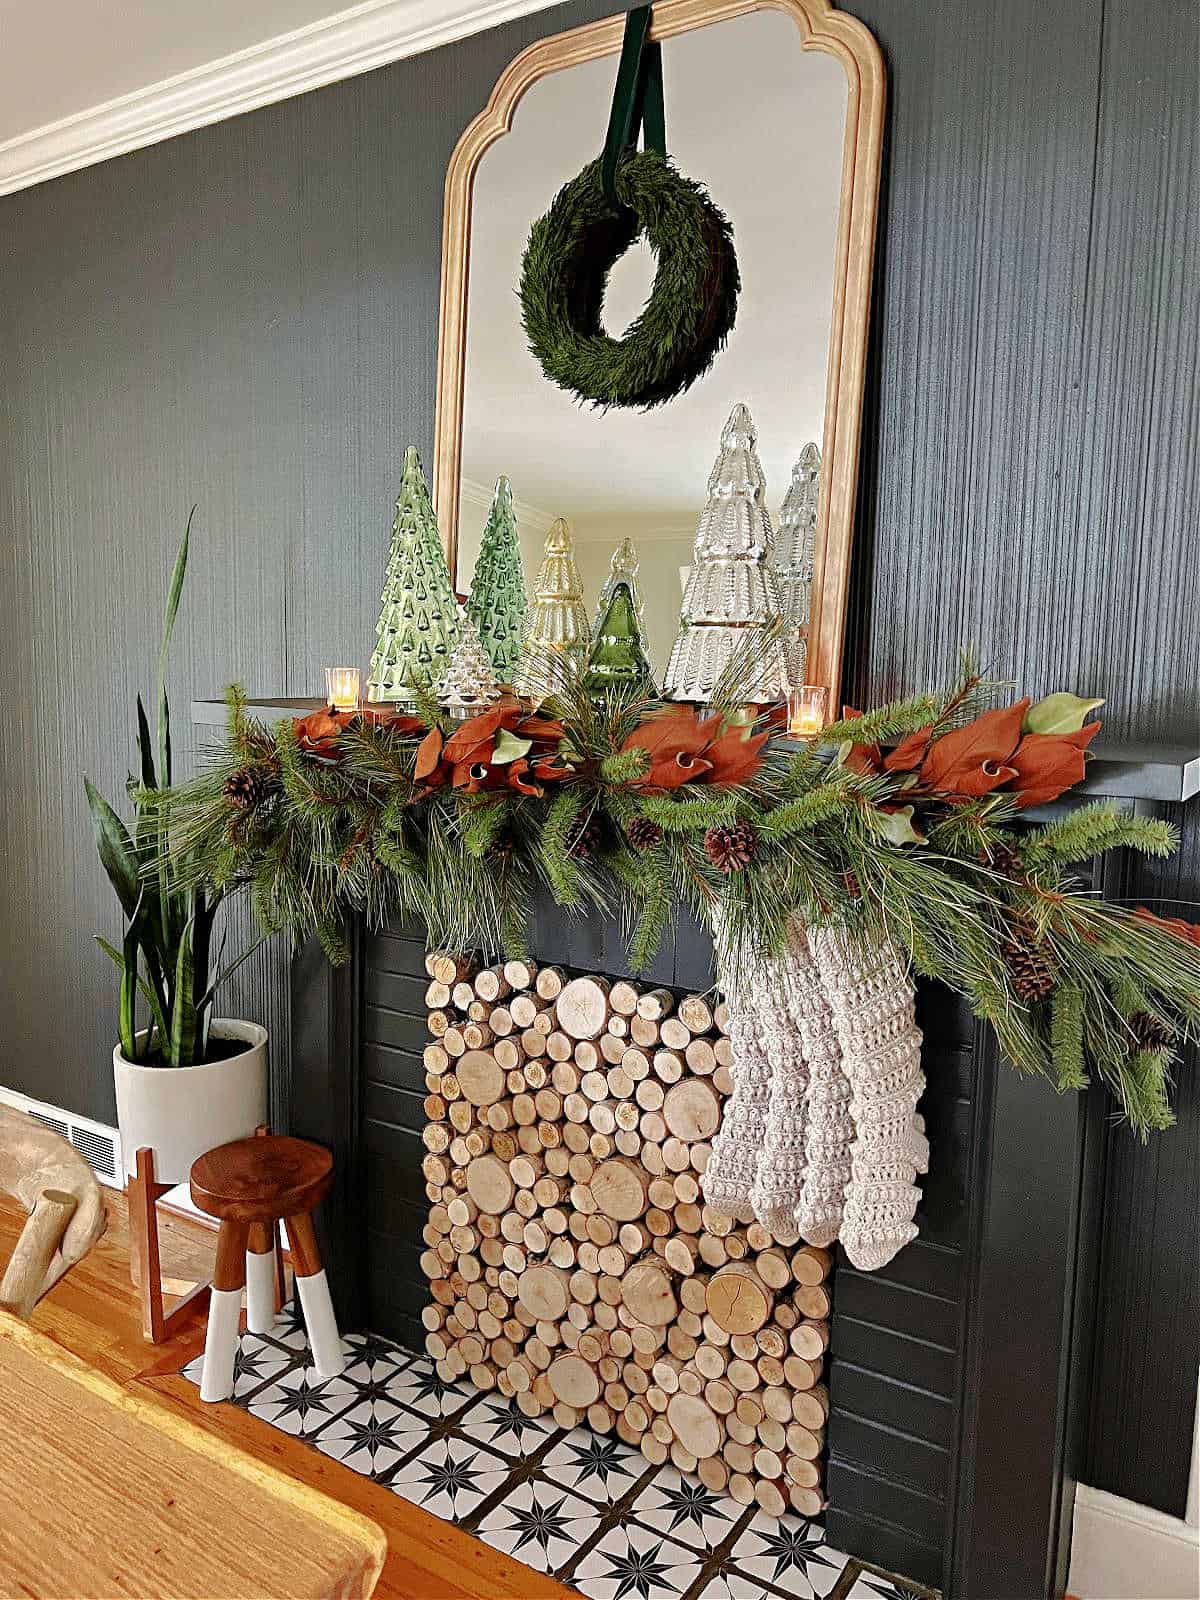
[(98, 1145)]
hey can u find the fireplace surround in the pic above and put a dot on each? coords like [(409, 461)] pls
[(958, 1375)]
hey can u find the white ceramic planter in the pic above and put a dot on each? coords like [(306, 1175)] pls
[(180, 1112)]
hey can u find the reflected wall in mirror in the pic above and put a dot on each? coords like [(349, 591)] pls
[(768, 108)]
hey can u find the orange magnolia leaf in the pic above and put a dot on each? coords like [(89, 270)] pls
[(1188, 931), (1045, 768), (670, 770), (543, 728), (550, 768), (401, 722), (954, 763), (428, 754), (671, 732), (516, 778), (318, 732), (733, 757), (910, 752), (861, 758), (473, 733)]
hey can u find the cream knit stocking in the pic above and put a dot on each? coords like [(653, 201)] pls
[(830, 1132), (780, 1006), (871, 998), (737, 1148)]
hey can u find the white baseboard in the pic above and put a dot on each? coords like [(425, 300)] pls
[(366, 36), (1123, 1551)]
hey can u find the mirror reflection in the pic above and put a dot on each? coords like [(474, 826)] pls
[(760, 122)]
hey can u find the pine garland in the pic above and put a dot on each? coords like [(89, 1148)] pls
[(337, 818)]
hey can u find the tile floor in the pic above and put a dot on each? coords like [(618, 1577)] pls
[(577, 1504)]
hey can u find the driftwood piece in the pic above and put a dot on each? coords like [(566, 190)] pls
[(62, 1196)]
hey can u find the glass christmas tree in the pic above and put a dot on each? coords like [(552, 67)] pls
[(418, 621), (794, 554), (617, 656), (731, 591), (623, 568), (497, 604), (469, 686), (558, 620)]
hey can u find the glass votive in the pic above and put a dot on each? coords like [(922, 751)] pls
[(806, 710), (341, 688)]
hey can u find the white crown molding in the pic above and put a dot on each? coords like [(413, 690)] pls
[(477, 498), (353, 41)]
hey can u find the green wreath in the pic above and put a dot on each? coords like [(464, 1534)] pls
[(593, 221), (691, 307)]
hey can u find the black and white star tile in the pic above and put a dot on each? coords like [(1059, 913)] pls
[(582, 1506), (545, 1530)]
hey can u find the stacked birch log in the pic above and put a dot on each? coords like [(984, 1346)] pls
[(573, 1264)]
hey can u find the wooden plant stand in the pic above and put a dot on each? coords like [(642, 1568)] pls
[(143, 1192)]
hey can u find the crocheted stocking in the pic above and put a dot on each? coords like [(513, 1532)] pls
[(779, 1004), (830, 1132), (737, 1147), (872, 1000)]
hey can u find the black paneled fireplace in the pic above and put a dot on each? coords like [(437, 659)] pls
[(958, 1375)]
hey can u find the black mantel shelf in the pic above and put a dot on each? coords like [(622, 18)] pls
[(1164, 772)]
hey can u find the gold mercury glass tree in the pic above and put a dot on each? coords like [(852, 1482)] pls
[(731, 592), (558, 620)]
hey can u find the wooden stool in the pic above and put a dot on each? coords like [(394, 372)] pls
[(250, 1185)]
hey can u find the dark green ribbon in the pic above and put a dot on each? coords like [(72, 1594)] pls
[(637, 105)]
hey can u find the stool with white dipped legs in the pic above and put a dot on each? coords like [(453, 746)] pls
[(250, 1186)]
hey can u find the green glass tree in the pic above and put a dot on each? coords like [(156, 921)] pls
[(623, 568), (497, 603), (418, 619), (617, 657)]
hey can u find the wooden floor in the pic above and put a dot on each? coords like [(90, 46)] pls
[(94, 1313)]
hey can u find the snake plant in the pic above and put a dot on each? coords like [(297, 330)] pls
[(164, 958)]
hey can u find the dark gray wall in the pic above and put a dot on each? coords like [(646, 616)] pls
[(246, 317)]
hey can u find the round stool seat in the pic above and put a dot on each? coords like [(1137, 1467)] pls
[(261, 1179)]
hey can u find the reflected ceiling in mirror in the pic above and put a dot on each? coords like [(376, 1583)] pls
[(777, 133)]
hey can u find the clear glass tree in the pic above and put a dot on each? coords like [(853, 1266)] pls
[(731, 591), (795, 550), (470, 685), (497, 603), (418, 619)]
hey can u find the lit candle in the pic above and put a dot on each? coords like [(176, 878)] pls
[(806, 710), (341, 688)]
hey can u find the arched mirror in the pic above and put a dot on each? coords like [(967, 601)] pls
[(777, 109)]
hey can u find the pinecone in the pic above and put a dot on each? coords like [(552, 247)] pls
[(853, 887), (1150, 1032), (583, 837), (501, 847), (1029, 960), (643, 834), (1004, 858), (730, 845), (245, 789)]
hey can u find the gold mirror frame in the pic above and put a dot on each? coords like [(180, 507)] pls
[(822, 27)]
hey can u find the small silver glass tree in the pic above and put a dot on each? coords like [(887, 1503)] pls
[(470, 685)]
